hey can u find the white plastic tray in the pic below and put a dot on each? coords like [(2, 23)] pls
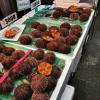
[(16, 37)]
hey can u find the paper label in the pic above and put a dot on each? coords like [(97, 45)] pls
[(9, 19), (23, 4), (35, 4)]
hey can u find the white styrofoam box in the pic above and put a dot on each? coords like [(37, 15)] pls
[(68, 93), (84, 34), (84, 5), (61, 80), (66, 3), (75, 61)]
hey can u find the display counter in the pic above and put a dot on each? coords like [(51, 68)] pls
[(78, 50), (71, 60)]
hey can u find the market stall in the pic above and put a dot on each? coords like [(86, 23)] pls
[(63, 36), (78, 50)]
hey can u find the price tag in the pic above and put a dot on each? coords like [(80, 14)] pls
[(9, 19), (35, 4), (23, 4)]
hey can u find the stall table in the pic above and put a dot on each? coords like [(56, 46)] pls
[(78, 50), (72, 60)]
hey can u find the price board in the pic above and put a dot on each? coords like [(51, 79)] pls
[(9, 19), (23, 4), (35, 4)]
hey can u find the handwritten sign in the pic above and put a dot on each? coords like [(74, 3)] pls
[(35, 4), (23, 4), (9, 19)]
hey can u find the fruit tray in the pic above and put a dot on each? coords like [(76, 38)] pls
[(53, 94), (16, 31)]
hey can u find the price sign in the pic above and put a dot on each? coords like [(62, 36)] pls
[(23, 4), (35, 4), (9, 19)]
